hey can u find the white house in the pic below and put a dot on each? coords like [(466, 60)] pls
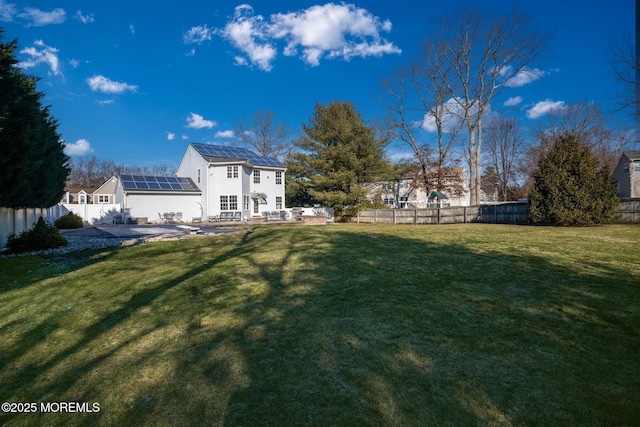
[(627, 174), (234, 180), (402, 194), (152, 198)]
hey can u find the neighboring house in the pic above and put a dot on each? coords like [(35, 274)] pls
[(402, 194), (104, 194), (154, 198), (627, 174), (78, 195), (234, 180), (93, 205)]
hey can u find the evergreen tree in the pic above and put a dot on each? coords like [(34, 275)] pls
[(338, 154), (569, 190), (33, 164)]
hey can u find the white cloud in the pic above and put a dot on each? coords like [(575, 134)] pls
[(78, 148), (106, 102), (225, 134), (335, 30), (332, 31), (171, 136), (450, 120), (197, 35), (7, 11), (196, 121), (545, 107), (132, 29), (102, 84), (85, 19), (185, 137), (41, 18), (524, 77), (513, 101), (41, 54), (248, 33)]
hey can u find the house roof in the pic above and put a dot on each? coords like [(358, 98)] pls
[(173, 184), (220, 154), (76, 190), (633, 155)]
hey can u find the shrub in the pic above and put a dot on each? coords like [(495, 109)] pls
[(69, 221), (569, 190), (41, 236)]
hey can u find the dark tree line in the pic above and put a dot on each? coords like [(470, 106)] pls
[(33, 164)]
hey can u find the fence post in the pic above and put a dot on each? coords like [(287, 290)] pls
[(415, 216), (438, 216), (394, 217), (465, 215)]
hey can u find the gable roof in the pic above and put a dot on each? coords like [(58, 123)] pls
[(632, 155), (220, 154), (77, 190), (173, 184)]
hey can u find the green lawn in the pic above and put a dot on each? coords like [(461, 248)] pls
[(332, 325)]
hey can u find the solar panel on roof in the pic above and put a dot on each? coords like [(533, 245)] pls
[(235, 152), (139, 182)]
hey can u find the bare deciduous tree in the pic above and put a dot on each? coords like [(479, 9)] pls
[(626, 70), (263, 134), (416, 102), (504, 148), (481, 56)]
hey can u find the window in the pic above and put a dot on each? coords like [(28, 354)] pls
[(256, 176), (103, 198), (228, 203), (232, 171), (389, 201), (278, 177), (636, 168), (82, 198), (198, 176), (233, 203), (256, 206), (245, 202), (278, 202)]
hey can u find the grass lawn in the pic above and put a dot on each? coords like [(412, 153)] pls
[(342, 325)]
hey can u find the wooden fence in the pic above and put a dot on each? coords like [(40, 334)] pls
[(503, 213)]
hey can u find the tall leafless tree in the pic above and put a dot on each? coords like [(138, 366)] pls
[(416, 102), (263, 134), (625, 69), (481, 55), (504, 149)]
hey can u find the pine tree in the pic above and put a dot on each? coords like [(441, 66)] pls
[(569, 190), (338, 154), (33, 164)]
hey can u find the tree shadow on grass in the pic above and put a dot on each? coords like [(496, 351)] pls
[(322, 326)]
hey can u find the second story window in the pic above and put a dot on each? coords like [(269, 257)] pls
[(256, 176), (278, 177), (232, 171)]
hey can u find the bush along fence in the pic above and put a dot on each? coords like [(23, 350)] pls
[(502, 213), (15, 221)]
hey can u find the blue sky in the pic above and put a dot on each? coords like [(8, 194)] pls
[(135, 83)]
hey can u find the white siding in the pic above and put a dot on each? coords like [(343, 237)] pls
[(269, 187), (152, 206), (191, 162)]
